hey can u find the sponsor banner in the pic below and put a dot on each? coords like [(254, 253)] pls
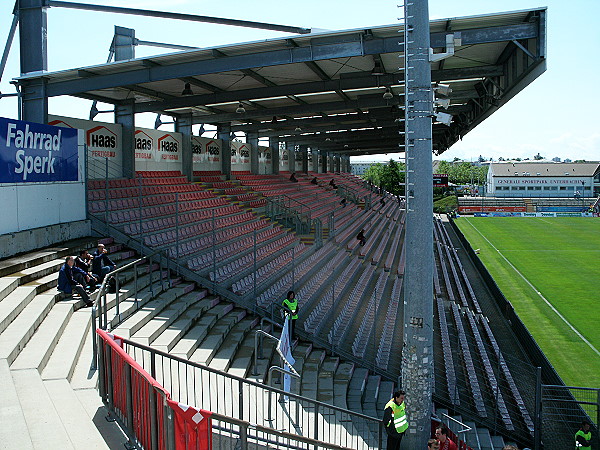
[(37, 153), (240, 155), (157, 149), (264, 154), (102, 139), (284, 163), (522, 214), (440, 180), (473, 209), (206, 151), (565, 209)]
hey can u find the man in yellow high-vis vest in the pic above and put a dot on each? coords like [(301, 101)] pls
[(583, 437), (395, 421)]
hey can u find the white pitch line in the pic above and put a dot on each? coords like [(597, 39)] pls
[(538, 293)]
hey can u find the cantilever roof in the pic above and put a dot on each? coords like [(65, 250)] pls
[(318, 89)]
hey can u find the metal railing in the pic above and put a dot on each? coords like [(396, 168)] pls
[(242, 399), (146, 412)]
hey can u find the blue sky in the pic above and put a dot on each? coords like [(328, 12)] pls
[(555, 116)]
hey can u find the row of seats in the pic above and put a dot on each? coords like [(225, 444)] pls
[(158, 173), (199, 230), (342, 322), (368, 321), (447, 354), (162, 223), (221, 254), (316, 317), (386, 341), (235, 267), (468, 364), (489, 372), (100, 194), (267, 271), (153, 200), (387, 265)]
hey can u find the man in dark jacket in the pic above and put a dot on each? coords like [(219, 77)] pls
[(73, 278), (102, 264), (84, 262)]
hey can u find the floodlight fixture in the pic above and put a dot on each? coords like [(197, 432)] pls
[(94, 111), (240, 109), (387, 95), (187, 89), (443, 89), (297, 129), (444, 118), (201, 130), (158, 122), (442, 102)]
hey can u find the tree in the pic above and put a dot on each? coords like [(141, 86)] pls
[(389, 176), (538, 157)]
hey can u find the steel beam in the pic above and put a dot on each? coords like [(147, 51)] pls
[(183, 125), (274, 144), (178, 16), (345, 48), (252, 139), (224, 133), (417, 351), (125, 116), (362, 81)]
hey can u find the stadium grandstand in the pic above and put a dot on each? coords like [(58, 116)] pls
[(183, 346)]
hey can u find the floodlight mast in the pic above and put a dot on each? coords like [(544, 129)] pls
[(417, 352)]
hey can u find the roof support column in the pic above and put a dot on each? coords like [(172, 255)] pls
[(252, 140), (417, 357), (304, 152), (337, 163), (324, 161), (33, 31), (291, 149), (183, 125), (125, 116), (274, 144), (224, 133)]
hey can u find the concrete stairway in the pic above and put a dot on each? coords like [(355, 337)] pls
[(478, 438), (48, 399)]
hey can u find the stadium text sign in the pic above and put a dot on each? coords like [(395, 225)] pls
[(440, 180), (33, 152)]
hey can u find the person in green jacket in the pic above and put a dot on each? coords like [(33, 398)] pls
[(290, 308), (583, 437)]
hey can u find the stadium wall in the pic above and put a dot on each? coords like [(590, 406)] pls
[(535, 353)]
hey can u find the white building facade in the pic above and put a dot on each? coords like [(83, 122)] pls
[(543, 179)]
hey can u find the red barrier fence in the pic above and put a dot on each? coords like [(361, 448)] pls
[(144, 408)]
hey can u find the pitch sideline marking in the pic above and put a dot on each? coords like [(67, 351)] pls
[(538, 293)]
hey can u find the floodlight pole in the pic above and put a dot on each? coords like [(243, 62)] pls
[(417, 353)]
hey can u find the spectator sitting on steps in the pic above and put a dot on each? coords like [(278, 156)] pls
[(293, 178), (83, 261), (361, 237), (73, 278), (102, 264), (332, 184), (314, 181)]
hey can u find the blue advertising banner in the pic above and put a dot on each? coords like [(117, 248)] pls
[(35, 153)]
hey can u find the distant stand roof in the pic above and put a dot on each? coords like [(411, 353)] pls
[(546, 169)]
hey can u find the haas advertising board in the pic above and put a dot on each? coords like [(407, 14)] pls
[(37, 153), (206, 153), (157, 150)]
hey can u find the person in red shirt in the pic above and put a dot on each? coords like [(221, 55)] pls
[(441, 434)]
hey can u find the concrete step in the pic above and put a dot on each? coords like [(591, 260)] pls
[(471, 436), (44, 425), (145, 313), (111, 433), (83, 376), (343, 375), (485, 439), (177, 303), (27, 260), (242, 361), (300, 353), (211, 313), (36, 353), (13, 432), (369, 405), (7, 285), (224, 357), (262, 367), (169, 337), (14, 303), (386, 392), (210, 345), (356, 388), (82, 431), (14, 338), (497, 442), (310, 373), (326, 379), (61, 364)]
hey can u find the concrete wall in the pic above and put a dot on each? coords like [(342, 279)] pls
[(33, 205), (28, 240)]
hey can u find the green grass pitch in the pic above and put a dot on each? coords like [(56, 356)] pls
[(560, 259)]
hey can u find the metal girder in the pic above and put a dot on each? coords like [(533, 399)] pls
[(364, 80), (328, 50), (298, 109), (178, 16)]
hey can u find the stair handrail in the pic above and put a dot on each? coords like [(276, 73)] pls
[(316, 405), (465, 426)]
